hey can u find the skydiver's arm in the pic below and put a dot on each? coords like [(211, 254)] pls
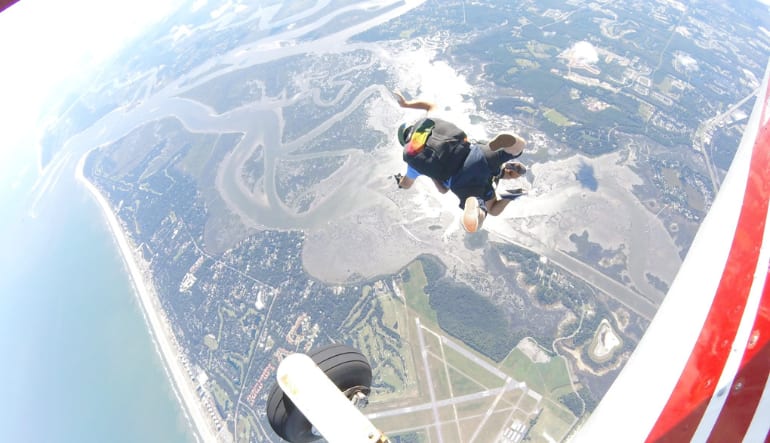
[(440, 186), (413, 104)]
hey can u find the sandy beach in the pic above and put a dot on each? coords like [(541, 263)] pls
[(160, 329)]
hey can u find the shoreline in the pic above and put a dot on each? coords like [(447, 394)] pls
[(155, 318)]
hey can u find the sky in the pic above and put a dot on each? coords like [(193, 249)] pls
[(46, 42)]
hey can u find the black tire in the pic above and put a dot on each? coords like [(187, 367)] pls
[(345, 366)]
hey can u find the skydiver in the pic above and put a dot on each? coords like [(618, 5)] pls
[(476, 172)]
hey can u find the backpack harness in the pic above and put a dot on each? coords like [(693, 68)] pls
[(437, 148)]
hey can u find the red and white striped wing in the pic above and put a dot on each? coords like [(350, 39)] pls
[(700, 372), (4, 4)]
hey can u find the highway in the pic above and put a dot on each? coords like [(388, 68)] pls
[(706, 128), (630, 299)]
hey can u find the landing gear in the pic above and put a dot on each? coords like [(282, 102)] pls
[(346, 367)]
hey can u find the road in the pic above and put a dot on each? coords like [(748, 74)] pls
[(632, 300), (706, 128), (424, 353)]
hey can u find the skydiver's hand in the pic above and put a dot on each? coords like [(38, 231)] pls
[(513, 170), (400, 98), (398, 178)]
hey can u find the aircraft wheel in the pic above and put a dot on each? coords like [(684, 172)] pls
[(345, 366)]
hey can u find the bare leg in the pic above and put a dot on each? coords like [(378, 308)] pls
[(495, 206)]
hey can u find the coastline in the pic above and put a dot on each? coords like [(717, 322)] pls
[(159, 327)]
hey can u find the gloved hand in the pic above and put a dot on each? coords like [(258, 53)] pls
[(398, 178)]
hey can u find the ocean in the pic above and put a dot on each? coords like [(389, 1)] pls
[(77, 361)]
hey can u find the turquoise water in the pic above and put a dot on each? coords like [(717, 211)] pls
[(77, 363)]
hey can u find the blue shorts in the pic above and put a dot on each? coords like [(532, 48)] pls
[(476, 176)]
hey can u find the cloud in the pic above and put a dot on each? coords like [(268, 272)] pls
[(584, 52)]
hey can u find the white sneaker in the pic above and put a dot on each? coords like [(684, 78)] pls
[(471, 214)]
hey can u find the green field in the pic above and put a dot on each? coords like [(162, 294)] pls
[(375, 325), (671, 176), (543, 378), (472, 371), (556, 118), (405, 422), (666, 85), (462, 385), (646, 111), (410, 437), (198, 156), (695, 199), (211, 342), (219, 394), (415, 294), (439, 376), (554, 421)]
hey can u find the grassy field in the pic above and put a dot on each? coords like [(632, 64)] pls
[(432, 342), (496, 422), (556, 118), (244, 428), (541, 377), (471, 370), (439, 376), (219, 394), (358, 310), (695, 199), (528, 404), (419, 436), (390, 355), (646, 111), (554, 422), (665, 86), (474, 408), (405, 422), (211, 342), (198, 155), (393, 313), (415, 295), (540, 50), (462, 385), (671, 176)]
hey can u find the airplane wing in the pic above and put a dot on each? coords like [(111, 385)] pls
[(4, 4), (700, 372)]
